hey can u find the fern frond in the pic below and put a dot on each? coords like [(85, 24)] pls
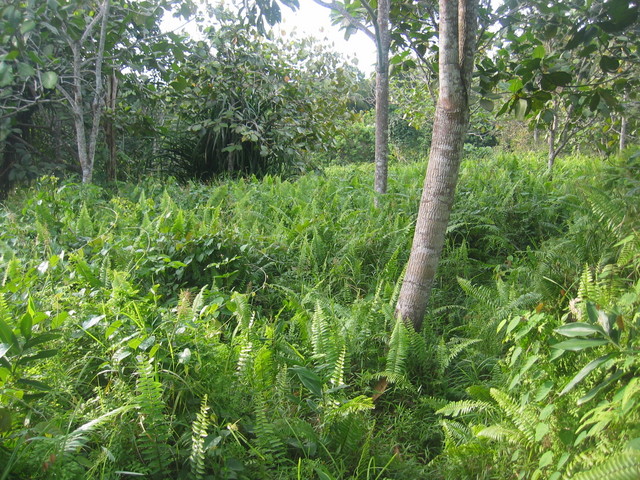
[(323, 342), (398, 350), (244, 357), (358, 404), (198, 436), (501, 433), (522, 418), (80, 436), (463, 407), (268, 441), (479, 292), (448, 353), (337, 378), (455, 433), (622, 466), (153, 439), (587, 289)]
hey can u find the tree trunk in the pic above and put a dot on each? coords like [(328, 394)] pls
[(457, 45), (623, 125), (109, 130), (553, 152), (383, 41), (87, 144)]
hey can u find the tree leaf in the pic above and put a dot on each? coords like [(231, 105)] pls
[(609, 64), (559, 79), (578, 344), (92, 321), (6, 74), (586, 370), (578, 329), (49, 79), (309, 379), (539, 52), (486, 104)]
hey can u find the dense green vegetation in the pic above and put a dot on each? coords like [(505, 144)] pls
[(245, 329)]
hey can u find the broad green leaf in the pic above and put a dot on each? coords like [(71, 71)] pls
[(40, 339), (592, 312), (147, 342), (184, 356), (49, 80), (543, 390), (539, 52), (92, 321), (26, 324), (546, 459), (25, 70), (27, 26), (578, 329), (38, 356), (5, 419), (559, 79), (4, 348), (34, 384), (515, 85), (586, 370), (578, 344), (602, 385), (541, 430), (486, 104), (7, 335), (309, 379), (6, 74), (521, 108)]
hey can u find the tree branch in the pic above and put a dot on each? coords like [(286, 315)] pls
[(335, 6)]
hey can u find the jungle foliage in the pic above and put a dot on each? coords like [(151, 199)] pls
[(244, 329)]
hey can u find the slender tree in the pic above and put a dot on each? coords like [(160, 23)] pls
[(457, 46), (379, 19)]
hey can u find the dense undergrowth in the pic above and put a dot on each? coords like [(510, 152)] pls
[(245, 330)]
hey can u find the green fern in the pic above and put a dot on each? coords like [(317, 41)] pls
[(198, 437), (337, 377), (521, 417), (455, 433), (153, 439), (84, 225), (323, 341), (622, 466), (463, 407), (269, 442), (447, 353), (399, 346)]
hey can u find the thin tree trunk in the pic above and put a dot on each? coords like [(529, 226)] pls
[(87, 145), (109, 130), (457, 44), (382, 99), (552, 153), (623, 125)]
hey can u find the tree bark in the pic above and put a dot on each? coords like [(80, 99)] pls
[(382, 38), (457, 43), (383, 41), (109, 130), (623, 125), (87, 143), (551, 156)]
